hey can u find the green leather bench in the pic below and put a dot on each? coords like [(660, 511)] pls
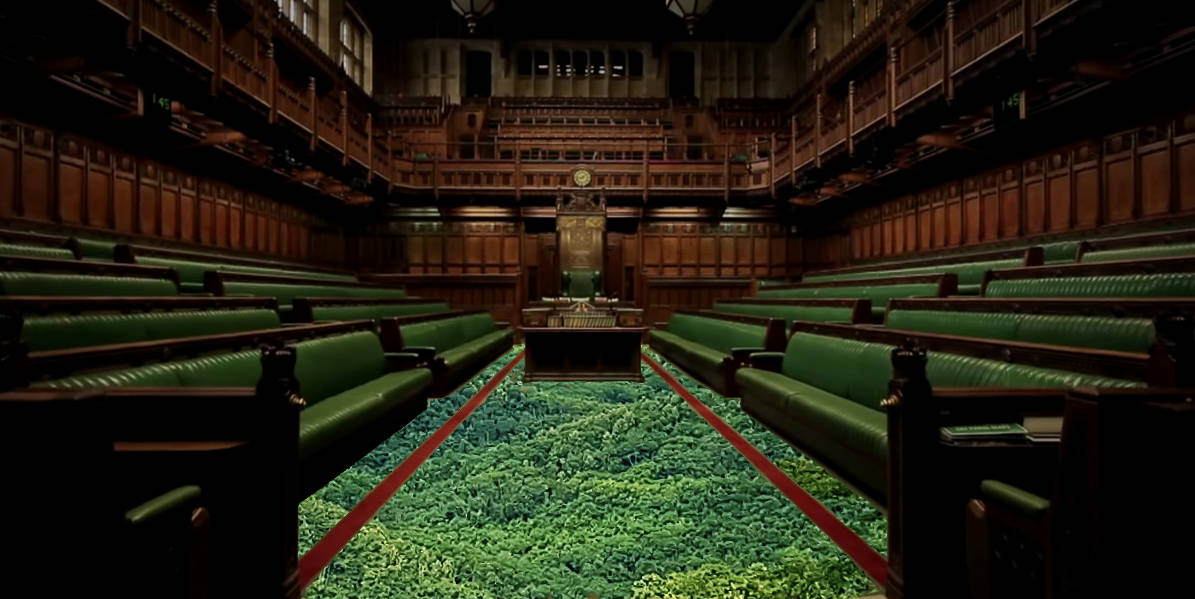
[(878, 291), (823, 393), (791, 310), (455, 344), (67, 322), (343, 396), (712, 346), (286, 289), (1139, 253), (1117, 324), (970, 273), (1156, 244), (317, 309), (48, 276), (1059, 252), (1153, 277), (36, 251), (94, 249)]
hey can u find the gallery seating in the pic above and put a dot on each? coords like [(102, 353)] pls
[(1118, 324), (877, 290), (50, 276), (47, 323), (454, 344), (823, 392), (856, 311), (320, 309), (712, 346)]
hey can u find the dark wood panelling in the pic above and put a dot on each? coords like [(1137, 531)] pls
[(1144, 172), (58, 177)]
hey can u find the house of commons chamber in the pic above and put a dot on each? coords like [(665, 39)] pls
[(597, 299)]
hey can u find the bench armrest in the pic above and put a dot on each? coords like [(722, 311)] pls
[(425, 352), (502, 324), (659, 325), (402, 360), (767, 360), (743, 354)]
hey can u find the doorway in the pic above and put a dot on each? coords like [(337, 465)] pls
[(681, 76), (478, 74)]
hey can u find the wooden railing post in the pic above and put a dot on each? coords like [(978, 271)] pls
[(792, 146), (1028, 33), (393, 162), (893, 57), (518, 171), (850, 117), (726, 173), (646, 169), (772, 165), (369, 145), (344, 127), (217, 47), (272, 81), (948, 54), (313, 101), (817, 131)]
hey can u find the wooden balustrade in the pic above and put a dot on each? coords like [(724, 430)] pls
[(245, 75), (292, 102), (833, 124), (328, 127), (178, 30), (982, 26)]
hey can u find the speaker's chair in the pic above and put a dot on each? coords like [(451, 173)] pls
[(581, 283)]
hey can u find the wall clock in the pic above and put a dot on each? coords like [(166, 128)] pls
[(582, 177)]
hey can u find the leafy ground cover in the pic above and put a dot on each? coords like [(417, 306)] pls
[(586, 489)]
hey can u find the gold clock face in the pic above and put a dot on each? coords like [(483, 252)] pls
[(582, 178)]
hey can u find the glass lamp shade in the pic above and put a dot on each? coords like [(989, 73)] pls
[(472, 10), (689, 10)]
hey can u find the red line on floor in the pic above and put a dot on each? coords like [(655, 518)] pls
[(869, 560), (320, 555)]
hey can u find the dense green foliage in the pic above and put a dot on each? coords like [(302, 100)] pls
[(563, 490)]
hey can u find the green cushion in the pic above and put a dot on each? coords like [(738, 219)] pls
[(878, 294), (717, 334), (1177, 284), (338, 416), (1141, 253), (469, 355), (375, 311), (691, 356), (286, 293), (31, 283), (36, 251), (788, 313), (1013, 498), (96, 249), (43, 333), (1121, 334)]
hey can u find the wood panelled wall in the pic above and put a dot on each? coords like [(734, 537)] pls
[(459, 247), (1144, 172), (725, 250), (57, 177)]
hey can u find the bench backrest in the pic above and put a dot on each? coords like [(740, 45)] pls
[(969, 273), (94, 249), (717, 334), (36, 251), (287, 292), (1140, 253), (190, 272), (791, 312), (1104, 332), (860, 370), (59, 331), (37, 283), (320, 367), (375, 311), (1170, 284), (447, 333)]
